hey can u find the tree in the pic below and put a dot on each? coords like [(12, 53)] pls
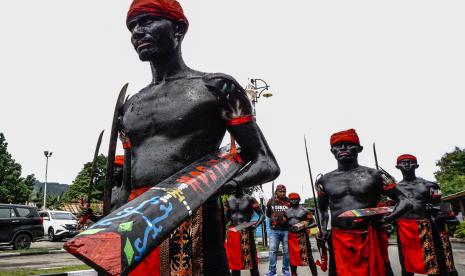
[(13, 187), (451, 173), (80, 186)]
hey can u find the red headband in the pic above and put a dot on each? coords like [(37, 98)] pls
[(293, 196), (406, 156), (168, 9), (119, 160), (349, 136)]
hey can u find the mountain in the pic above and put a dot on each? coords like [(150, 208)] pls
[(53, 188)]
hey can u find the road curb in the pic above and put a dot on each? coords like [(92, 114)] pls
[(55, 251)]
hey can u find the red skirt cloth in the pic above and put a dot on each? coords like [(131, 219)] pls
[(299, 249), (238, 249), (416, 243), (358, 252)]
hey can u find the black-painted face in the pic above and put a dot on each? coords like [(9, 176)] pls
[(153, 37), (407, 166), (294, 202), (118, 174), (346, 152)]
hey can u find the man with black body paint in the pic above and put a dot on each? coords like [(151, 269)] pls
[(179, 117), (300, 220), (423, 241), (240, 245), (357, 246)]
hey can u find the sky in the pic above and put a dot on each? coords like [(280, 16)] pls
[(393, 70)]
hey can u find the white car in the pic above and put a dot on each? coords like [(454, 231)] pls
[(59, 224)]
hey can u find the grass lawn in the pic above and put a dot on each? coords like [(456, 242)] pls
[(26, 272)]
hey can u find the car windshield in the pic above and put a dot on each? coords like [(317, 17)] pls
[(63, 216)]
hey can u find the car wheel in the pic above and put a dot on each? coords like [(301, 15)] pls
[(22, 241), (51, 235)]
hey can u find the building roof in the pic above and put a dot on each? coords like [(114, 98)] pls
[(455, 196)]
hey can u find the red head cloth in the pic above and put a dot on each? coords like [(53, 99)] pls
[(293, 196), (168, 9), (119, 160), (349, 136), (406, 156), (280, 187)]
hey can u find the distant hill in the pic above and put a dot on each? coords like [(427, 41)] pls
[(53, 188)]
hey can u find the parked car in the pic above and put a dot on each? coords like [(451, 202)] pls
[(59, 224), (19, 225)]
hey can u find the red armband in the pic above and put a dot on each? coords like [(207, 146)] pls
[(127, 144), (389, 186), (240, 120)]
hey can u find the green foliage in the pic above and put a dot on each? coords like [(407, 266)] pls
[(460, 231), (13, 187), (80, 186), (451, 173), (309, 203)]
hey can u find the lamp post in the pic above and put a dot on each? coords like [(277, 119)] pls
[(254, 90), (47, 155)]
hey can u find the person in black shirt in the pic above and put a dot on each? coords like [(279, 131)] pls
[(275, 210)]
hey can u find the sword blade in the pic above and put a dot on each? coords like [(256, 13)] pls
[(112, 150)]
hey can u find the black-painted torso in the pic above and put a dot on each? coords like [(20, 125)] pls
[(297, 214), (240, 208), (419, 191), (352, 186), (170, 125)]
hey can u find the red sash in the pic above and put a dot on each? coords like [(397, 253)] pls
[(416, 239), (238, 250), (358, 252)]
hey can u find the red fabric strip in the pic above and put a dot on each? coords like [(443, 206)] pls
[(127, 144), (389, 186), (233, 249), (412, 248), (240, 120), (137, 192), (357, 252), (294, 249)]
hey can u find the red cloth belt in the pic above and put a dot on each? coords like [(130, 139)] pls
[(150, 266), (412, 246), (358, 252), (240, 120)]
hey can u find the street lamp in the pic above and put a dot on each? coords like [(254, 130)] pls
[(254, 90), (47, 155)]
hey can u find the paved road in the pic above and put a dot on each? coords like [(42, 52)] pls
[(65, 259)]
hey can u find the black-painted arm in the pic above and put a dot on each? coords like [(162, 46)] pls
[(323, 204), (227, 211), (237, 112), (257, 208), (268, 208), (389, 187)]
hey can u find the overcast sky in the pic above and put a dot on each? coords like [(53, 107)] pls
[(393, 70)]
